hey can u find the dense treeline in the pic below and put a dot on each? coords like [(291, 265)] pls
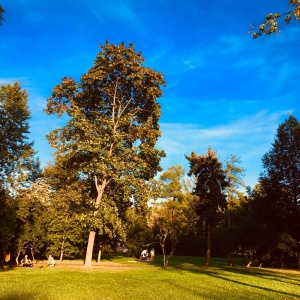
[(102, 191)]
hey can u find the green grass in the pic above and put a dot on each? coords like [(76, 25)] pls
[(116, 278)]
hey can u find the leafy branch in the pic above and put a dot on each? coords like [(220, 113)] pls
[(271, 23)]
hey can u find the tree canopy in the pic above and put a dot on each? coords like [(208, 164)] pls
[(16, 151)]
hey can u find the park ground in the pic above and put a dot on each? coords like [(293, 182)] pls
[(120, 277)]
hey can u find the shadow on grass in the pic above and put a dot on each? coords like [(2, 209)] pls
[(22, 296), (7, 269), (221, 266)]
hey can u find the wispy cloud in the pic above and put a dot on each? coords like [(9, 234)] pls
[(249, 138)]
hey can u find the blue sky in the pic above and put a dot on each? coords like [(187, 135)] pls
[(224, 89)]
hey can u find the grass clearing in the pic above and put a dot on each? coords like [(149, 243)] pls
[(118, 278)]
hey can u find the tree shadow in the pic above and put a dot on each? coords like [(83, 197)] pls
[(21, 296), (218, 268)]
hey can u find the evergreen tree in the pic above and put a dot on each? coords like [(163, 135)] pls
[(281, 179), (211, 190)]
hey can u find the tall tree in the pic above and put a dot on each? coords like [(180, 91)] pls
[(211, 190), (112, 128), (16, 153), (271, 23), (281, 178)]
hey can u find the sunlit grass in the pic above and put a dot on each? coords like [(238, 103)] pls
[(118, 277)]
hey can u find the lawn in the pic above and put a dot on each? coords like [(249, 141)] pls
[(118, 277)]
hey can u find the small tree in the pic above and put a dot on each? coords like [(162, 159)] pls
[(234, 175), (174, 217), (33, 216), (211, 190)]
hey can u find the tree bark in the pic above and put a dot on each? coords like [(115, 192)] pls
[(99, 256), (298, 258), (208, 232), (18, 255), (90, 246), (62, 251), (89, 250)]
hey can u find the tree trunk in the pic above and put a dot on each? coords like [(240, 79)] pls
[(163, 246), (99, 256), (32, 254), (298, 258), (89, 249), (62, 251), (18, 255), (92, 235), (208, 248)]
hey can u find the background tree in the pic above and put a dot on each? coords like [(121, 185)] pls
[(110, 136), (16, 155), (172, 190), (33, 215), (138, 231), (211, 190), (16, 152), (281, 179), (234, 175), (271, 23), (8, 224), (172, 216)]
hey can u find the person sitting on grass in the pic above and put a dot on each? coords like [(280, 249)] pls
[(51, 261), (26, 262), (144, 255)]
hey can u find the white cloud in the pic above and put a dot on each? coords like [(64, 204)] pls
[(249, 138)]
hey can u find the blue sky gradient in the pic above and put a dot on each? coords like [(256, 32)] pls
[(224, 89)]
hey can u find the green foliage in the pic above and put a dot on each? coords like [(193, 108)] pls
[(16, 153), (8, 223), (210, 185), (108, 143), (281, 180), (268, 222), (33, 215), (174, 217), (17, 164), (210, 188), (138, 232)]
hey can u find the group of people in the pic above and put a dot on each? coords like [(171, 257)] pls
[(146, 256), (27, 263)]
